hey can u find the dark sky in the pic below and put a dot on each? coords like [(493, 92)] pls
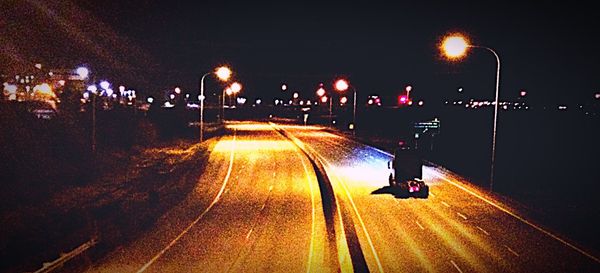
[(548, 49)]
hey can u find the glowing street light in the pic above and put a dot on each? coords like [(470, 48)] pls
[(408, 89), (177, 90), (223, 73), (342, 85), (236, 87), (283, 87), (454, 47), (320, 92), (295, 96)]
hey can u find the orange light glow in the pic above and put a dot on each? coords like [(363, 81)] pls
[(455, 46)]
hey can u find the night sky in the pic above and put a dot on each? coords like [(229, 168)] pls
[(548, 49)]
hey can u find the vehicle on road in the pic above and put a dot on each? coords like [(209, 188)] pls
[(406, 175)]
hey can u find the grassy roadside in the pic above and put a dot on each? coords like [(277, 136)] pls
[(135, 188)]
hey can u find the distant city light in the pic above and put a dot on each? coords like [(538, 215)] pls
[(92, 88), (523, 93), (201, 97), (241, 100), (104, 85), (177, 90), (258, 101), (38, 66), (597, 96), (324, 99), (150, 99), (295, 96), (421, 103), (460, 89), (228, 91), (61, 82), (43, 88), (283, 87), (83, 72), (408, 88), (343, 100), (172, 96)]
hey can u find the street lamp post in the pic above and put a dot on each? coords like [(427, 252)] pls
[(223, 73), (456, 46), (342, 85)]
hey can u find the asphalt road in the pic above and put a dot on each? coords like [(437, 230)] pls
[(259, 208)]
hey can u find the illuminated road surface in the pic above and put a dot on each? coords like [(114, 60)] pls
[(258, 209), (457, 229)]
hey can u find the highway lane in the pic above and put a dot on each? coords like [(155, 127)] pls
[(458, 229), (256, 209)]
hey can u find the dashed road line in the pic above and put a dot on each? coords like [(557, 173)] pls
[(249, 232), (483, 230), (462, 215), (445, 204), (456, 266), (419, 225), (512, 251), (431, 194), (523, 220)]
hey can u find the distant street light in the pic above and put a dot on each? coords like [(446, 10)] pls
[(320, 92), (342, 85), (234, 88), (454, 47), (295, 96), (283, 87), (223, 73), (408, 89)]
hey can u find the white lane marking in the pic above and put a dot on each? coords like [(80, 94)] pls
[(419, 225), (249, 232), (187, 229), (512, 251), (462, 215), (263, 206), (362, 223), (456, 266), (431, 194), (271, 188), (445, 204), (482, 230), (517, 217)]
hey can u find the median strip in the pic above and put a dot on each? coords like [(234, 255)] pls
[(341, 231)]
